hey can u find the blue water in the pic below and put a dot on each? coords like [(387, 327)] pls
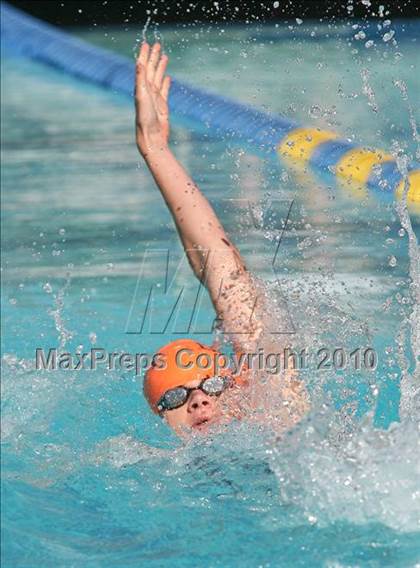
[(81, 486)]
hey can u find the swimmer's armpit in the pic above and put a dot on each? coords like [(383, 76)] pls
[(296, 398)]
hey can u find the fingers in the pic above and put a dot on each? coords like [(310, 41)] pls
[(160, 71), (143, 57), (165, 87), (151, 67), (152, 63), (141, 67)]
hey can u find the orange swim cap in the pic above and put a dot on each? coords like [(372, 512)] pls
[(180, 362)]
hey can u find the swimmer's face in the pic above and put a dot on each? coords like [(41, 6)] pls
[(199, 413)]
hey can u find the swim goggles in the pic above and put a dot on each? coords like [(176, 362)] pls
[(176, 397)]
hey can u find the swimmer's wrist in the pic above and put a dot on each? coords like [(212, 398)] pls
[(148, 147)]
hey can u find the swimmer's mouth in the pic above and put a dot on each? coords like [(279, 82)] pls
[(201, 423)]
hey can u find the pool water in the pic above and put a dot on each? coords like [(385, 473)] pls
[(90, 476)]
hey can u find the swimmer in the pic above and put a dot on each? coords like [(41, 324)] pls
[(189, 390)]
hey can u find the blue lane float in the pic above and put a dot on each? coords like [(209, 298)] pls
[(322, 151)]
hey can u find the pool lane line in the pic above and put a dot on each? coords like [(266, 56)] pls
[(311, 149)]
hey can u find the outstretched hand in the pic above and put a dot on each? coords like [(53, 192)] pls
[(151, 97)]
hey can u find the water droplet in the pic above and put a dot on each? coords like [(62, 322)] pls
[(389, 35), (47, 288), (392, 261)]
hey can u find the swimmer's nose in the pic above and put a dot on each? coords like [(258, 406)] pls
[(198, 401)]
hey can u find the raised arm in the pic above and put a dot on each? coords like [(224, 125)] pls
[(213, 258), (237, 299)]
